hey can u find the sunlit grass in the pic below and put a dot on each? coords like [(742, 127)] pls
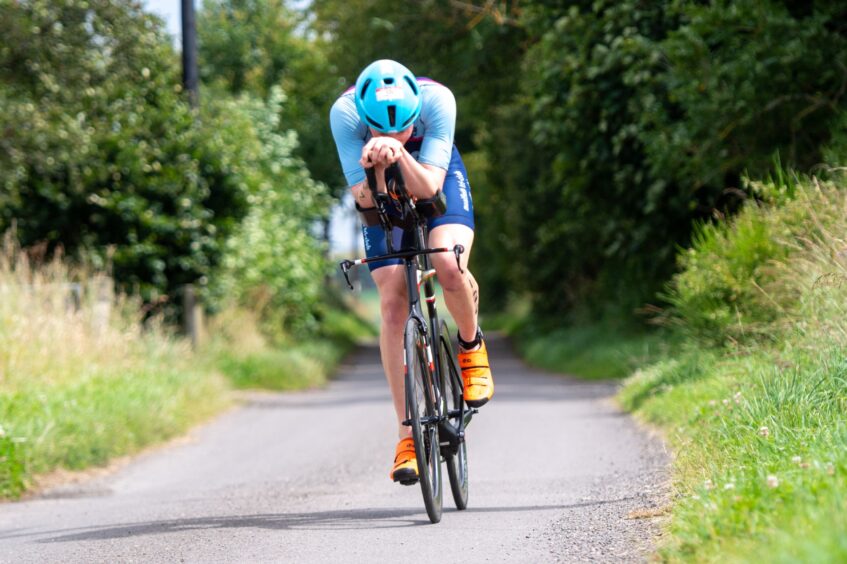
[(759, 428), (590, 351), (241, 352), (81, 378)]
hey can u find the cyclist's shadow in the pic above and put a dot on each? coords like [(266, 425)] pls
[(319, 520), (342, 519)]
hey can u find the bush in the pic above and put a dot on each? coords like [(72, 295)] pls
[(733, 285), (100, 153), (273, 263)]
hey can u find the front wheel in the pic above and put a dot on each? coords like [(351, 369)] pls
[(451, 386), (422, 397)]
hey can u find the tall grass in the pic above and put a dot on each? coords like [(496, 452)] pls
[(82, 379), (249, 359), (755, 403)]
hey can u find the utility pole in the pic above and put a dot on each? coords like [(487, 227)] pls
[(190, 78)]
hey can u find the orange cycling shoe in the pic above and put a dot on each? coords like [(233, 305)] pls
[(405, 468), (476, 373)]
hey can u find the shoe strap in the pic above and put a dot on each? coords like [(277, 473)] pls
[(474, 359), (405, 451), (478, 380)]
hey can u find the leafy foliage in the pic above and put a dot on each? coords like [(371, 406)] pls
[(733, 285), (273, 263), (745, 80), (99, 150), (590, 215), (254, 45), (642, 119)]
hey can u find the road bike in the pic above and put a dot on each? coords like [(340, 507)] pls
[(435, 408)]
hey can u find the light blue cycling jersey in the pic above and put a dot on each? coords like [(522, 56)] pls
[(436, 125)]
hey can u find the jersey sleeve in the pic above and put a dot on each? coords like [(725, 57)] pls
[(347, 131), (439, 116)]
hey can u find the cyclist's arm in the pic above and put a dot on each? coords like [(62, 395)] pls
[(425, 177), (349, 135), (439, 114), (422, 180)]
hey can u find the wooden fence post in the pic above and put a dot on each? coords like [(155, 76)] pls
[(192, 315)]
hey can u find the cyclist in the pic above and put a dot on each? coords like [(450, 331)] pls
[(388, 117)]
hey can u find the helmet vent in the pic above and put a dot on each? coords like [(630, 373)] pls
[(408, 122), (374, 124), (412, 84), (388, 80), (365, 88), (392, 115)]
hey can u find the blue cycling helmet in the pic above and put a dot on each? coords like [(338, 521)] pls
[(387, 96)]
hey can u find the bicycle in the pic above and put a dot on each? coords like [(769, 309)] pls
[(435, 408)]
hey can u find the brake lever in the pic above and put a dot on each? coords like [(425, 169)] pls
[(457, 252), (346, 265)]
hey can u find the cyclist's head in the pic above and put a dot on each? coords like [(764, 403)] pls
[(387, 96)]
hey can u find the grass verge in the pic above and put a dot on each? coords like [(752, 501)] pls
[(752, 388), (293, 367), (248, 359), (593, 351), (761, 471), (88, 421), (83, 380)]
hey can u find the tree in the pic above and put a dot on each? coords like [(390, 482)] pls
[(591, 221), (273, 264), (253, 45), (99, 149), (642, 120)]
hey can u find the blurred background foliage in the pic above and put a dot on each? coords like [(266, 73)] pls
[(100, 154), (598, 135)]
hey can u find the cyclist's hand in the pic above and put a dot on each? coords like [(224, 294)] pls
[(383, 151)]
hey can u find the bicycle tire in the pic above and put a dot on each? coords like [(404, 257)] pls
[(451, 386), (421, 398)]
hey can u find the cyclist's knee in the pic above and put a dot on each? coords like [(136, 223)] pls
[(393, 308), (449, 275), (393, 304)]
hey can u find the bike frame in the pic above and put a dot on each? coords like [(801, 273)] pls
[(418, 271)]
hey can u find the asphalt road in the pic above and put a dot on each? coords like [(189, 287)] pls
[(556, 473)]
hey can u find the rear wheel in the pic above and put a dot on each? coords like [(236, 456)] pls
[(421, 401), (451, 386)]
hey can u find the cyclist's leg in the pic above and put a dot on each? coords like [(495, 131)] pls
[(455, 227), (393, 304), (461, 292)]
